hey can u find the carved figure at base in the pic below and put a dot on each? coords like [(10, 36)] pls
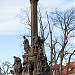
[(25, 63), (31, 67), (17, 65)]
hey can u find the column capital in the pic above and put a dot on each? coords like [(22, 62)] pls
[(34, 0)]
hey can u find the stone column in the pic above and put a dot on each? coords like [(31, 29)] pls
[(34, 25)]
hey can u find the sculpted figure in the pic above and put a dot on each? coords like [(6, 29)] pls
[(30, 66), (35, 44), (17, 65), (16, 59), (42, 61), (25, 60), (35, 40), (26, 44), (25, 63), (25, 68), (40, 54), (38, 42)]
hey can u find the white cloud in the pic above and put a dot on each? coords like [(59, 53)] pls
[(11, 26), (9, 23), (52, 4)]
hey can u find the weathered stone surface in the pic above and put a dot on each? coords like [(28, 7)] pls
[(17, 66), (26, 44), (34, 60)]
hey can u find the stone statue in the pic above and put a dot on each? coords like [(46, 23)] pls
[(25, 60), (25, 63), (31, 67), (42, 62), (35, 43), (40, 54), (17, 65), (26, 44), (35, 39), (38, 42)]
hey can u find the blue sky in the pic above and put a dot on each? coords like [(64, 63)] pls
[(11, 28)]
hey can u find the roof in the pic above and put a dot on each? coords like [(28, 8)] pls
[(71, 68)]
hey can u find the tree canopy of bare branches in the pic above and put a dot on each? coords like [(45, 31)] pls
[(61, 35)]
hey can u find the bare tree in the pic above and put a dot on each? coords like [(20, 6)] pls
[(5, 68), (64, 25)]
